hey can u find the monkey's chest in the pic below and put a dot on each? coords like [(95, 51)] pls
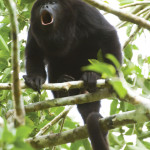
[(71, 64)]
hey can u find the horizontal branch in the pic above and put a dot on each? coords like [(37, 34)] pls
[(103, 93), (121, 14), (71, 100), (107, 123), (54, 86), (106, 92)]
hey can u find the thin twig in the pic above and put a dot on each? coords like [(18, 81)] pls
[(137, 29), (135, 4), (55, 120)]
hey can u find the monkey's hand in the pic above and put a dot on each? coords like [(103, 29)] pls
[(34, 82), (90, 78)]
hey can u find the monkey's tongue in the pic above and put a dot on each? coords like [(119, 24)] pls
[(46, 18)]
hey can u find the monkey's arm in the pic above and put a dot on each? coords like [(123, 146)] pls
[(35, 67)]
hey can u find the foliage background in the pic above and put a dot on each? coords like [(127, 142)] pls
[(136, 70)]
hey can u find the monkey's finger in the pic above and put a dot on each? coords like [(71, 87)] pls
[(38, 84)]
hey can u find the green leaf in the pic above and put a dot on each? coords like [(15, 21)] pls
[(124, 2), (114, 60), (65, 146), (111, 148), (118, 87), (129, 132), (6, 73), (148, 59), (27, 1), (114, 140), (3, 64), (113, 107), (20, 145), (1, 5), (4, 54), (124, 106), (69, 123), (23, 132), (76, 145), (105, 69), (6, 20), (29, 122), (131, 147), (147, 84), (140, 60), (147, 144), (128, 52), (86, 144), (7, 136), (100, 56), (141, 145), (135, 47), (3, 45), (57, 110), (129, 28)]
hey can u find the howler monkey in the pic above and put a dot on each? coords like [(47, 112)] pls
[(64, 34)]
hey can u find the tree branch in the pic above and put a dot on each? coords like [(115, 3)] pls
[(135, 4), (138, 11), (121, 14), (71, 100), (131, 37), (105, 92), (107, 123), (54, 86), (18, 103)]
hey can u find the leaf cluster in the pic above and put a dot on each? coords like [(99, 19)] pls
[(136, 72)]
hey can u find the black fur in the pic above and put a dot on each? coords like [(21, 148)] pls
[(64, 34)]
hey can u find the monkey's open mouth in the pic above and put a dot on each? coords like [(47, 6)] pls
[(46, 18)]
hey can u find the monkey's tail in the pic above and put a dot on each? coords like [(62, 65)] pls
[(97, 136)]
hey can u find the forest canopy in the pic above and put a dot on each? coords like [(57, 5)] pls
[(37, 116)]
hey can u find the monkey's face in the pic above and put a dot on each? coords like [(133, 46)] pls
[(46, 13)]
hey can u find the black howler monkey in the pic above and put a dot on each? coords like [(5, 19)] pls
[(64, 34)]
